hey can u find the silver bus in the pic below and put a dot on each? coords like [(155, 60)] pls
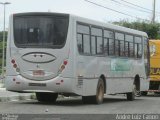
[(56, 53)]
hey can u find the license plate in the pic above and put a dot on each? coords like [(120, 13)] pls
[(38, 73), (38, 84)]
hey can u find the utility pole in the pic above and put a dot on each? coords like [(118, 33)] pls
[(154, 10)]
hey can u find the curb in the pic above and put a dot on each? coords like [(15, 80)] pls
[(17, 98), (2, 89), (1, 85)]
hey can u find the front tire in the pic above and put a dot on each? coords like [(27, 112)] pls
[(46, 97)]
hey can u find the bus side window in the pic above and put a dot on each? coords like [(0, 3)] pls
[(129, 50), (80, 43), (96, 34), (119, 44), (93, 45), (86, 44), (83, 39), (138, 47), (108, 42), (111, 46)]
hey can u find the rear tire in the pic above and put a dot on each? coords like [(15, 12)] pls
[(98, 98), (144, 93), (158, 93), (46, 97), (131, 95)]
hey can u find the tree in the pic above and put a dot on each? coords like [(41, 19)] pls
[(151, 29), (1, 47), (1, 35)]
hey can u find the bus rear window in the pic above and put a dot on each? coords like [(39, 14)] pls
[(40, 31)]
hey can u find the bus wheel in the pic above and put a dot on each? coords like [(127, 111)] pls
[(46, 97), (144, 93), (131, 95), (98, 98), (158, 93)]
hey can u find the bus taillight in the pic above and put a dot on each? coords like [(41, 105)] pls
[(15, 65), (65, 62), (13, 61)]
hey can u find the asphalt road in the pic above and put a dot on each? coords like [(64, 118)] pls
[(112, 105)]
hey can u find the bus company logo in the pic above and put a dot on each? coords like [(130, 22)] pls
[(155, 71)]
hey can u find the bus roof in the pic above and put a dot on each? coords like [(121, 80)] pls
[(89, 21), (110, 26)]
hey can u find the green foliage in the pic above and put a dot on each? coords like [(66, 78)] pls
[(153, 30), (1, 35), (1, 47)]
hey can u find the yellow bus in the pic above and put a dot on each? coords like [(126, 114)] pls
[(154, 65)]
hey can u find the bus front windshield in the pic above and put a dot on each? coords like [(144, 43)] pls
[(40, 31)]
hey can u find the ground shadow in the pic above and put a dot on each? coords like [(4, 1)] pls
[(152, 95), (78, 101)]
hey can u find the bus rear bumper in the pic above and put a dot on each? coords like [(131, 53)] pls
[(21, 84)]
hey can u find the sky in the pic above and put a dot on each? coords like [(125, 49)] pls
[(100, 12)]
